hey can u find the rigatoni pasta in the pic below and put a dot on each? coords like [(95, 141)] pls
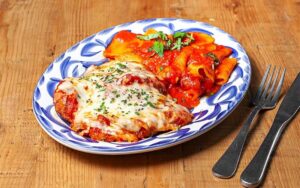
[(224, 70), (190, 64)]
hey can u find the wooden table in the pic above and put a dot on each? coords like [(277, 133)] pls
[(34, 33)]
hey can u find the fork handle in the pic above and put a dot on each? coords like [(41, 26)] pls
[(226, 166)]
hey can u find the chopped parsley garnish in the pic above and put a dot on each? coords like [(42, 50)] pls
[(124, 101), (143, 92), (121, 65), (109, 78), (151, 104), (147, 97), (116, 93), (137, 113), (132, 91), (189, 40), (214, 58), (101, 88), (110, 69), (98, 86), (162, 35), (129, 96), (102, 108), (168, 45), (119, 71), (177, 45), (179, 34)]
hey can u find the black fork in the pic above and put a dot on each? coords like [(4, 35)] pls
[(265, 98)]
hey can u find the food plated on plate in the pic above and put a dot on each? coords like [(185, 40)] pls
[(118, 101), (189, 63), (148, 86)]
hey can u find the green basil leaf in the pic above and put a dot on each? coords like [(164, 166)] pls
[(148, 37), (179, 34), (162, 35), (158, 47)]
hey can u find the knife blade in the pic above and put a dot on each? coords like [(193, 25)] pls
[(254, 173), (290, 104)]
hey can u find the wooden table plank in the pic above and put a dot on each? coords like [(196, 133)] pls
[(34, 33)]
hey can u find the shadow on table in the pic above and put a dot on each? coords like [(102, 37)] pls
[(197, 145)]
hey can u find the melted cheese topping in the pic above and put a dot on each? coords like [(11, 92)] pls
[(100, 92)]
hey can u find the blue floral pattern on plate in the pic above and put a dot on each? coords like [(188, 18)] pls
[(78, 58)]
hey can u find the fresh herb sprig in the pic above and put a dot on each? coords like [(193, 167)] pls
[(158, 48), (163, 42)]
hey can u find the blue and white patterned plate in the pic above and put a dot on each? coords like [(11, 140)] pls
[(79, 57)]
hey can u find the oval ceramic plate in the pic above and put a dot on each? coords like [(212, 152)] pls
[(79, 57)]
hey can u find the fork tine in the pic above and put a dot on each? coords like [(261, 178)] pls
[(273, 85), (278, 89), (268, 84), (258, 93)]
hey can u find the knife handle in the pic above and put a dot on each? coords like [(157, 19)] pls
[(254, 173)]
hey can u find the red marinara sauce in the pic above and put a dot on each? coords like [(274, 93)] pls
[(181, 84)]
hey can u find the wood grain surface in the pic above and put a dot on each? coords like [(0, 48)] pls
[(34, 32)]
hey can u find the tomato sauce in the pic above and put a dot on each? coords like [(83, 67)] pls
[(183, 84)]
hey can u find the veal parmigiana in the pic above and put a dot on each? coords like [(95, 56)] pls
[(118, 101)]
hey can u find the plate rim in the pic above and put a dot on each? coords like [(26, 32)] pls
[(154, 148)]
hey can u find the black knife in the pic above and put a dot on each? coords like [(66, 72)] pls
[(254, 173)]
